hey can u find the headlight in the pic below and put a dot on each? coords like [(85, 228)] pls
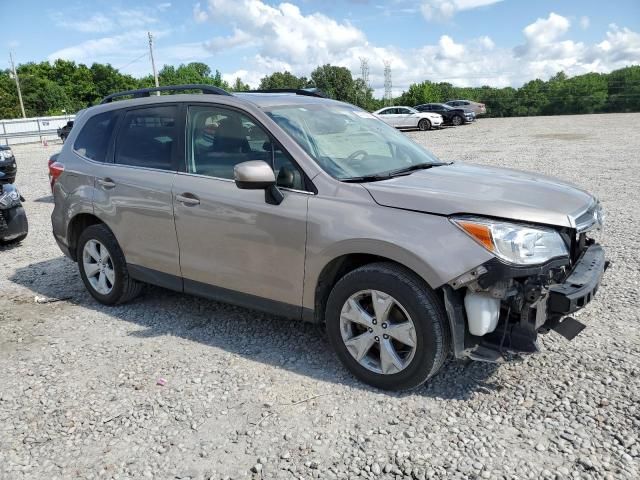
[(10, 199), (5, 154), (517, 244)]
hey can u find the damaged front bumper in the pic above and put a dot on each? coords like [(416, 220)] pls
[(533, 300)]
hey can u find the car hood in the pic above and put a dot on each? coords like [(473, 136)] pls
[(487, 191)]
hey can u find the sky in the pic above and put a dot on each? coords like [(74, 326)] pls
[(465, 42)]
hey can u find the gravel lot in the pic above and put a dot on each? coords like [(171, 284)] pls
[(253, 396)]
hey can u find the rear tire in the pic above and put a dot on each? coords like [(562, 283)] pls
[(424, 125), (410, 297), (108, 281)]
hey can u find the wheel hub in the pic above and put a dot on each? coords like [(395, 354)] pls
[(378, 332)]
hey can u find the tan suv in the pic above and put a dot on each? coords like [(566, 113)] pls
[(314, 209)]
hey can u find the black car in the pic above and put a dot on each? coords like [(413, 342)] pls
[(450, 115), (63, 132), (13, 219), (8, 166)]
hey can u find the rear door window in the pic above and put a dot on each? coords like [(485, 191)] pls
[(148, 138), (93, 140)]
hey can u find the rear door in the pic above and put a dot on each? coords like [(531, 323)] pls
[(133, 189), (406, 118), (388, 116)]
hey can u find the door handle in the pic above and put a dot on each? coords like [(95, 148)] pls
[(106, 182), (188, 199)]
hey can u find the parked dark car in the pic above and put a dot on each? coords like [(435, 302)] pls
[(63, 132), (451, 116), (13, 219), (8, 166)]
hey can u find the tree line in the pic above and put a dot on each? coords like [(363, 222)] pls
[(51, 88)]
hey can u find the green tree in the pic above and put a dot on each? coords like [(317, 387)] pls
[(336, 82), (284, 80), (240, 86), (623, 90)]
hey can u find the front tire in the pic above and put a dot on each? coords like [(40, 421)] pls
[(457, 120), (424, 125), (387, 326), (103, 267)]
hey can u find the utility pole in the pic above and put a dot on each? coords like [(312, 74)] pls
[(15, 76), (153, 63)]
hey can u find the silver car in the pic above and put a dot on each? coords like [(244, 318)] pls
[(476, 107), (407, 117), (316, 210)]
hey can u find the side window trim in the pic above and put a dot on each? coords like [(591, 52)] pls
[(308, 184), (176, 148)]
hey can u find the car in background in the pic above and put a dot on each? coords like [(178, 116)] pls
[(407, 117), (8, 165), (450, 115), (63, 132), (476, 107)]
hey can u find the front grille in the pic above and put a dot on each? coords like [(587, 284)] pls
[(3, 222)]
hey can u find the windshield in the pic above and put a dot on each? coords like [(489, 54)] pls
[(348, 142)]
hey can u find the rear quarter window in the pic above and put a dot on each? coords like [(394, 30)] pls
[(93, 140)]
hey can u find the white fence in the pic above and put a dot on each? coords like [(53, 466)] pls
[(29, 130)]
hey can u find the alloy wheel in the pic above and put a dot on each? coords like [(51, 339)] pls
[(98, 267), (378, 332)]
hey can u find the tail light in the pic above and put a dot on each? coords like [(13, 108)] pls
[(55, 170)]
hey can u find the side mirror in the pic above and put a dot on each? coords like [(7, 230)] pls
[(258, 175)]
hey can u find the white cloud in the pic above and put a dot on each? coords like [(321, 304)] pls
[(445, 9), (620, 48), (449, 48), (238, 39), (199, 15), (97, 22), (542, 42), (584, 22), (116, 20), (283, 31), (281, 37)]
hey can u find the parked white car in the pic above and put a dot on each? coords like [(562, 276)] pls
[(407, 117)]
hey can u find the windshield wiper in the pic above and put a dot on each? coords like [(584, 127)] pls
[(393, 173), (367, 178), (413, 168)]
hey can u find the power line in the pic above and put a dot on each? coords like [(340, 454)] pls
[(132, 61)]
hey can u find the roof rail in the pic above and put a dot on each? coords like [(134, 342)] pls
[(308, 92), (146, 92)]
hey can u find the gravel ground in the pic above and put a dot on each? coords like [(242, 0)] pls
[(248, 395)]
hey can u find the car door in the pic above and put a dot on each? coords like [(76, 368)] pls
[(389, 116), (405, 118), (133, 188), (235, 246)]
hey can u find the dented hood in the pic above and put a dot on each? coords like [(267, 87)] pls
[(485, 191)]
